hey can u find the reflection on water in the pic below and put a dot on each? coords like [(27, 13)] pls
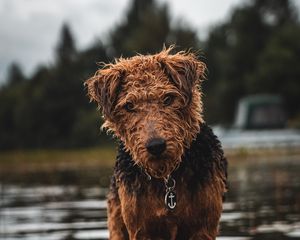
[(53, 212), (263, 203)]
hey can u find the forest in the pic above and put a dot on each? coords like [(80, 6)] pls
[(257, 50)]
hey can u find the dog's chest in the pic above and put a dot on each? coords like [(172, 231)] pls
[(151, 201)]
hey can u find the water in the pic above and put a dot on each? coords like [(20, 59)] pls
[(263, 203)]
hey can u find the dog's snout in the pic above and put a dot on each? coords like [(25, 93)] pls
[(156, 146)]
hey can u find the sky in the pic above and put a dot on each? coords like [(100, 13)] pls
[(29, 29)]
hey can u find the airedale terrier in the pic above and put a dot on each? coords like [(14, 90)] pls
[(170, 174)]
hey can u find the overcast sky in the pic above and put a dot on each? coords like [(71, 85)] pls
[(29, 29)]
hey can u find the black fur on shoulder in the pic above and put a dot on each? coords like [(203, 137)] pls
[(198, 164)]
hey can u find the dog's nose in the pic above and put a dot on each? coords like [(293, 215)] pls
[(156, 146)]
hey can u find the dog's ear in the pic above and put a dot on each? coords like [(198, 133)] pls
[(184, 70), (104, 87)]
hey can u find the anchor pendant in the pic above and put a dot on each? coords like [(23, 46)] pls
[(170, 197), (170, 200)]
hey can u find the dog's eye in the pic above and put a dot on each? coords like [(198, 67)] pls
[(129, 107), (168, 100)]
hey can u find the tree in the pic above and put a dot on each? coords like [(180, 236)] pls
[(144, 29), (66, 50), (278, 68), (235, 50), (147, 28), (15, 74)]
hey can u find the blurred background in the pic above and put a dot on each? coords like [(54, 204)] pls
[(55, 163)]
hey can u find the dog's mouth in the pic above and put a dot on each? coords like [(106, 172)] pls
[(161, 167), (157, 165)]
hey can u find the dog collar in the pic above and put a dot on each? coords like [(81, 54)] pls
[(170, 195), (170, 184)]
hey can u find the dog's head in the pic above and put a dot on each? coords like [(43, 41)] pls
[(153, 105)]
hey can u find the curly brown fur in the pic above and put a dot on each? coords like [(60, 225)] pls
[(150, 97), (145, 82)]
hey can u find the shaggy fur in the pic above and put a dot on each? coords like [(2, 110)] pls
[(158, 96)]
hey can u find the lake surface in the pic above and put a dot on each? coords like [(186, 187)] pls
[(263, 203)]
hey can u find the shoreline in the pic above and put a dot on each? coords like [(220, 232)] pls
[(72, 159)]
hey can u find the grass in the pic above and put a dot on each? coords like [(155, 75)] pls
[(57, 159), (94, 165), (56, 167), (44, 159), (244, 154)]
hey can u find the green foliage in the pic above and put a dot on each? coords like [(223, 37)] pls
[(256, 51), (51, 109), (15, 75), (278, 67), (146, 29), (66, 50)]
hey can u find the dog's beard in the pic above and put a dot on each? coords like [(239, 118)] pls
[(161, 167)]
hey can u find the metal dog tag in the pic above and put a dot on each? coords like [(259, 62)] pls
[(170, 200)]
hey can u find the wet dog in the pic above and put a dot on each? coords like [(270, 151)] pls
[(170, 174)]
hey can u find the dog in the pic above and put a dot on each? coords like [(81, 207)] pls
[(170, 175)]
